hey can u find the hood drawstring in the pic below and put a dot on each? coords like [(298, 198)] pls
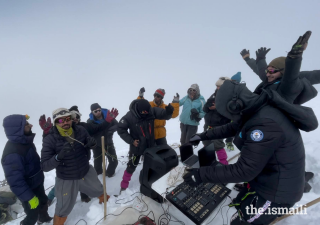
[(142, 132), (149, 128)]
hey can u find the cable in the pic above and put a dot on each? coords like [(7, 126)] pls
[(218, 211), (166, 214), (80, 220), (127, 207), (154, 218)]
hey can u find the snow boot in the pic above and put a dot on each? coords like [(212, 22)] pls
[(308, 176), (47, 220), (59, 220), (85, 198), (101, 198), (125, 180), (222, 156), (307, 187)]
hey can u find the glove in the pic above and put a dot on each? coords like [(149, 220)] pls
[(230, 146), (34, 202), (261, 53), (176, 98), (245, 54), (111, 115), (300, 45), (141, 92), (195, 115), (65, 150), (192, 177), (91, 142), (196, 138), (45, 125), (169, 109)]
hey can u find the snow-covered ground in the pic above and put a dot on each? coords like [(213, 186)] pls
[(91, 213)]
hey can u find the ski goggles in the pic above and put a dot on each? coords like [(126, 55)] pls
[(62, 120), (272, 71)]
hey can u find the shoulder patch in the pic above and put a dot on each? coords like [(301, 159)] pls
[(256, 135)]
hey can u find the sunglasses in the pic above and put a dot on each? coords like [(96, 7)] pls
[(62, 120), (96, 111), (157, 96), (192, 90), (272, 71)]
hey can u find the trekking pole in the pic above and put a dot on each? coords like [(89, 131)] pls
[(104, 177)]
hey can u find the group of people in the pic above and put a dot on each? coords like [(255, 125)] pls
[(264, 124), (266, 128)]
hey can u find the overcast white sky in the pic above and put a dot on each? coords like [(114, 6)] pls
[(63, 53)]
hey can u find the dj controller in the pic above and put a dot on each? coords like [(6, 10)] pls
[(197, 203)]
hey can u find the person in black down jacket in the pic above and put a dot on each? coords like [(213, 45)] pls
[(272, 156), (99, 115), (66, 148), (214, 119), (90, 127), (140, 122), (21, 166)]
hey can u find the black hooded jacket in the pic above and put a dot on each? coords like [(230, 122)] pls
[(272, 156), (141, 129), (212, 117), (75, 164)]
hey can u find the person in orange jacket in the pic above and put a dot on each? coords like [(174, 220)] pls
[(159, 125)]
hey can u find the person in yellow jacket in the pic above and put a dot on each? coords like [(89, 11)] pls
[(159, 125)]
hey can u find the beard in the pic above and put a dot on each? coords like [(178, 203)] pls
[(28, 133)]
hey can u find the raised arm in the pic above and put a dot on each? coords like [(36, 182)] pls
[(251, 62)]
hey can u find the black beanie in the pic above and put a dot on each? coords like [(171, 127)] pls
[(74, 108), (143, 105), (95, 106)]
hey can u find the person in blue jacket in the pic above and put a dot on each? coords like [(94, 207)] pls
[(21, 166), (192, 112)]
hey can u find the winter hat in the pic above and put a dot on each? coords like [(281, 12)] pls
[(74, 108), (143, 105), (58, 113), (237, 77), (221, 81), (160, 92), (75, 111), (279, 63), (95, 106)]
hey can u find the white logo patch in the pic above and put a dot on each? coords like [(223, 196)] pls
[(256, 135)]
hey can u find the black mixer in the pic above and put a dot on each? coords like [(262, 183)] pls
[(198, 203)]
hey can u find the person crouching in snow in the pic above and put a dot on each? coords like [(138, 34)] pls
[(159, 125), (192, 112), (21, 166), (66, 149), (140, 122)]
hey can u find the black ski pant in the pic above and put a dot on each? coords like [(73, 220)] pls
[(186, 132), (111, 156), (248, 203), (161, 141), (41, 212)]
